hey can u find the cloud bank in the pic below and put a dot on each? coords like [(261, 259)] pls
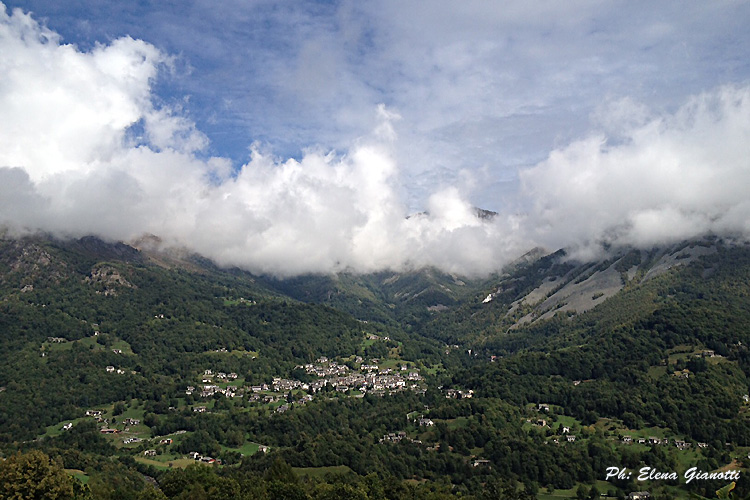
[(86, 148)]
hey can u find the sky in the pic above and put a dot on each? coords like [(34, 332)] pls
[(295, 137)]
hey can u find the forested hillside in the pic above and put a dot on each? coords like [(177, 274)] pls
[(151, 375)]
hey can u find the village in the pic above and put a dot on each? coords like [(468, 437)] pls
[(367, 378)]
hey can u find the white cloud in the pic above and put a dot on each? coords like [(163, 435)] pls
[(71, 163), (672, 177)]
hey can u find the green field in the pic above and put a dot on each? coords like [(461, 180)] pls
[(78, 474)]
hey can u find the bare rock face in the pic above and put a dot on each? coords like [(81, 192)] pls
[(31, 259), (108, 280), (28, 264)]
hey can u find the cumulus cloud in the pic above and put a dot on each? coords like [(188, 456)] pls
[(665, 179), (86, 149)]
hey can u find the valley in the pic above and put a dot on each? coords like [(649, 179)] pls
[(128, 364)]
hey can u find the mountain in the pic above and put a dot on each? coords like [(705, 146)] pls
[(388, 297), (126, 361)]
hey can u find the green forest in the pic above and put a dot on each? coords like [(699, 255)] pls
[(126, 374)]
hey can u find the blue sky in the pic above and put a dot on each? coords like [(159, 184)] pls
[(480, 86), (474, 97)]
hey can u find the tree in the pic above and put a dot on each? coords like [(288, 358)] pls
[(119, 408), (594, 493), (34, 475), (581, 492)]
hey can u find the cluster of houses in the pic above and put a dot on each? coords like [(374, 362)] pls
[(209, 389), (194, 455), (152, 452), (570, 438), (323, 367), (652, 440), (97, 414), (681, 445), (458, 394), (639, 495), (397, 437), (368, 378), (424, 422), (112, 369)]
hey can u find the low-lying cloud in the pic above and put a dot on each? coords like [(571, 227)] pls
[(85, 149), (665, 178)]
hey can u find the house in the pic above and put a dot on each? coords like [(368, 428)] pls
[(110, 369), (702, 445), (566, 430), (627, 439), (109, 431), (166, 441), (639, 495), (477, 463), (199, 409), (682, 445), (541, 422), (708, 353), (641, 440), (194, 455), (263, 448), (542, 407), (131, 421), (426, 422), (67, 426), (282, 408), (150, 453), (571, 438)]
